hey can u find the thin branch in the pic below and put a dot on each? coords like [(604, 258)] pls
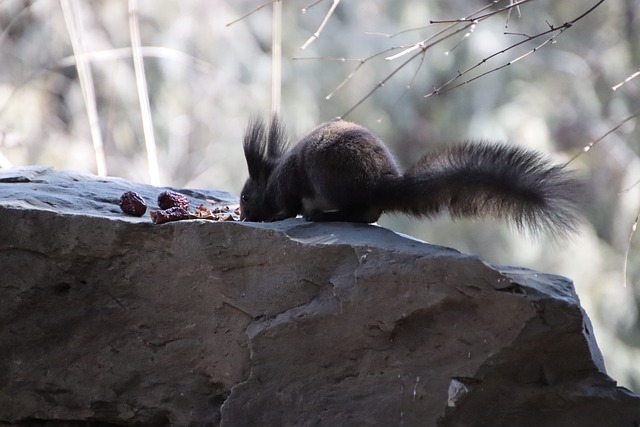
[(590, 145), (473, 18), (634, 226), (552, 29), (361, 63), (344, 82), (431, 23), (631, 77), (71, 13), (306, 9), (409, 86), (321, 27), (506, 23), (14, 20), (629, 188), (416, 46), (423, 43), (382, 83), (146, 51), (423, 50), (143, 95), (441, 90), (392, 35), (334, 58), (250, 13), (426, 44), (466, 35)]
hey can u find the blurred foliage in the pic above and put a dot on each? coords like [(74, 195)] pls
[(205, 79)]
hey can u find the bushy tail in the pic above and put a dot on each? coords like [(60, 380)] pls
[(489, 180)]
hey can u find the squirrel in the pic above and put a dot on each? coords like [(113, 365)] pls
[(341, 171)]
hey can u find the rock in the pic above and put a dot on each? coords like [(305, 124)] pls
[(108, 319)]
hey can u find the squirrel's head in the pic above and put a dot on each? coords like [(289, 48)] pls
[(262, 148), (253, 202)]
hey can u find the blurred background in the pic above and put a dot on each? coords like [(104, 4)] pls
[(70, 98)]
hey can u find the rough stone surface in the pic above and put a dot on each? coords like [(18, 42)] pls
[(107, 319)]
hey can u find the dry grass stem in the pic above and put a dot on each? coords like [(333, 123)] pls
[(71, 13), (276, 58), (141, 83)]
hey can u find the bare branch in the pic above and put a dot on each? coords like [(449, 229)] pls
[(250, 13), (321, 27), (634, 226), (474, 18), (431, 23), (441, 89), (506, 23), (449, 31), (590, 145), (631, 187), (409, 86), (423, 49), (361, 62), (385, 80), (306, 9), (344, 82), (416, 46), (147, 52), (631, 77), (552, 29)]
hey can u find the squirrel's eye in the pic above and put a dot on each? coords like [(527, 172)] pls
[(244, 197)]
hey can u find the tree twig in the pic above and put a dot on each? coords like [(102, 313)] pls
[(469, 22), (306, 9), (315, 35), (423, 49), (473, 18), (250, 13), (590, 145), (552, 29), (631, 77), (634, 226)]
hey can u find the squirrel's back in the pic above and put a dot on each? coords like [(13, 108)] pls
[(341, 161)]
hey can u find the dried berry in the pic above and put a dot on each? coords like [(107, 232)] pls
[(175, 213), (171, 199), (131, 203)]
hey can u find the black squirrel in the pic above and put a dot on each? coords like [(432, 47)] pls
[(341, 171)]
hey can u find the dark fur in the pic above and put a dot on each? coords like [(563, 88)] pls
[(343, 172)]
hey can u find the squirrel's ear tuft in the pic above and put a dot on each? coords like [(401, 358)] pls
[(277, 139), (255, 147), (263, 147)]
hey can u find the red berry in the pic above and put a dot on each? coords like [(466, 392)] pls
[(171, 199), (131, 203)]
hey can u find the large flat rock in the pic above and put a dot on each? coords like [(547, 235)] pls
[(107, 319)]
